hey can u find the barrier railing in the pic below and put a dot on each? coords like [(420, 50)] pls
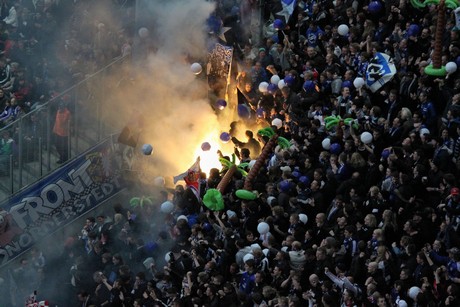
[(34, 151)]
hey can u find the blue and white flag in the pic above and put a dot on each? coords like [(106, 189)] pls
[(380, 70), (288, 9), (457, 18)]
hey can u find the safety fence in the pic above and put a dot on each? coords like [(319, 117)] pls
[(33, 148)]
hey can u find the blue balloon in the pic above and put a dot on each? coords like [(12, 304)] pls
[(296, 174), (278, 24), (413, 30), (225, 137), (374, 7), (147, 149), (151, 246), (305, 180), (285, 186), (220, 104), (272, 88), (260, 113), (205, 146), (347, 83), (192, 219), (335, 148), (244, 111), (289, 80), (309, 86), (385, 153), (207, 227)]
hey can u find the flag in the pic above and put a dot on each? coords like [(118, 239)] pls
[(192, 178), (288, 9), (380, 70), (457, 19), (188, 174)]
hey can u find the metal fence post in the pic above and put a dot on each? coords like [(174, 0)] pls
[(11, 175), (20, 148), (40, 156)]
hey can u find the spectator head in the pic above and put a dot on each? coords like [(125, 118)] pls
[(117, 259), (454, 253), (372, 267), (321, 253)]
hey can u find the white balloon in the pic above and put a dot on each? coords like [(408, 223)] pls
[(451, 67), (196, 68), (247, 257), (275, 79), (168, 256), (401, 303), (167, 207), (413, 292), (303, 218), (270, 200), (358, 82), (343, 30), (143, 32), (277, 122), (263, 228), (147, 149), (281, 84), (263, 87), (266, 251), (326, 143), (159, 181), (366, 137)]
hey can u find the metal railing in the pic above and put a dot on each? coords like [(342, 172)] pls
[(34, 153)]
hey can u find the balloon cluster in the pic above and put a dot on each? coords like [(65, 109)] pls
[(332, 121)]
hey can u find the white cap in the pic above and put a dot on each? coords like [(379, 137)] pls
[(424, 131), (231, 214), (182, 217)]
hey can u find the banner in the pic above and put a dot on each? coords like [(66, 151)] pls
[(58, 199), (219, 68)]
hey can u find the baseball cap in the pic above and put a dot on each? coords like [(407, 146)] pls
[(454, 191)]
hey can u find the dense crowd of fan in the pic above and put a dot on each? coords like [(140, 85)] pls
[(352, 221)]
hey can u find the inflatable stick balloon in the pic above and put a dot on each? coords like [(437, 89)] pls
[(266, 151)]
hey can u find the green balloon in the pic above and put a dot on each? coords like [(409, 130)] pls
[(245, 194), (213, 200)]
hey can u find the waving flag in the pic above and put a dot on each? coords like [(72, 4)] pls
[(380, 70), (457, 19), (288, 9)]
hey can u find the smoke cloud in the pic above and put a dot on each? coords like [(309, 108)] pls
[(164, 94)]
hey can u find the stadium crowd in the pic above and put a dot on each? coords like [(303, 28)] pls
[(367, 218)]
